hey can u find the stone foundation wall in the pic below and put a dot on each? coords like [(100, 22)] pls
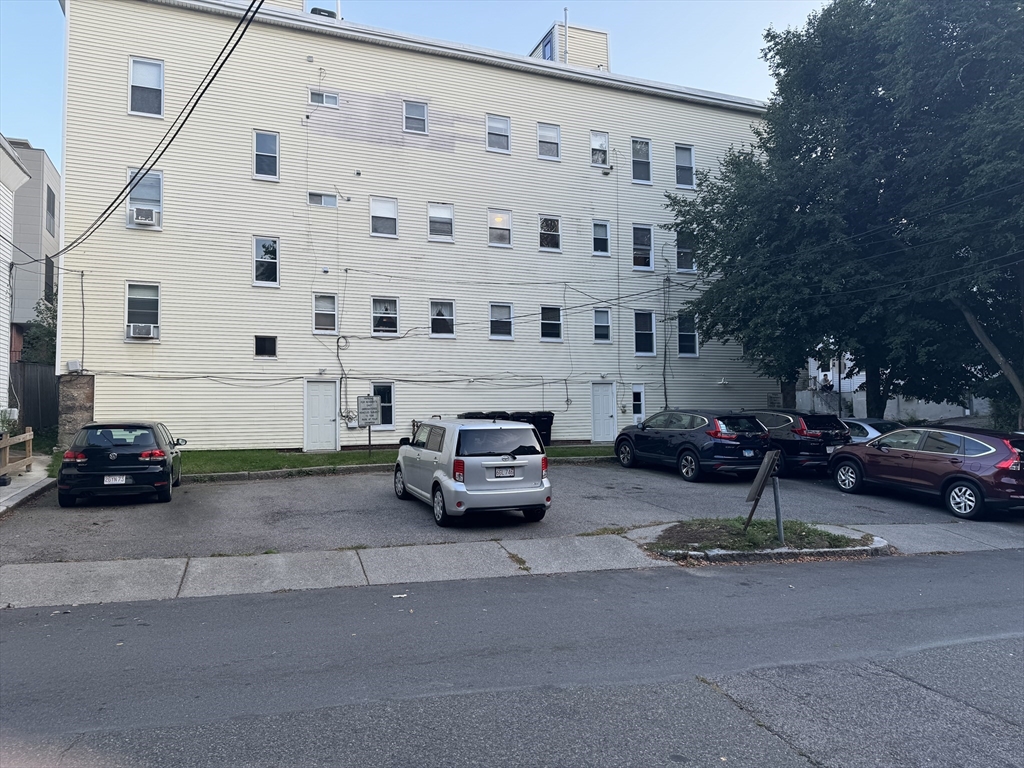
[(77, 394)]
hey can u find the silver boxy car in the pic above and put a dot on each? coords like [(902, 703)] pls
[(473, 465)]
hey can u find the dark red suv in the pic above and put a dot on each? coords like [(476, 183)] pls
[(970, 469)]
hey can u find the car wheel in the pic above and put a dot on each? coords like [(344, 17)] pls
[(848, 477), (964, 500), (624, 451), (400, 490), (689, 467), (66, 499), (781, 467), (534, 514), (164, 494), (441, 516)]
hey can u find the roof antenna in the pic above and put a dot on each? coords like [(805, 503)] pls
[(565, 29)]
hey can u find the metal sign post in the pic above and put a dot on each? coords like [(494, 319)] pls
[(771, 458), (368, 415)]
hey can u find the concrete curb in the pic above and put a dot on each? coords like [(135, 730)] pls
[(877, 547), (26, 495)]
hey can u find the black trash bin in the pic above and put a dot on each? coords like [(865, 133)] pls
[(473, 415), (521, 416), (499, 415), (543, 420)]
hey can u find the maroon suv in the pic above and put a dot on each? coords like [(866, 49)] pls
[(970, 469)]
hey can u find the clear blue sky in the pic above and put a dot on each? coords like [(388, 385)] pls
[(709, 44)]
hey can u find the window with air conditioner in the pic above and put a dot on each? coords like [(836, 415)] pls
[(602, 238), (323, 98), (642, 238), (643, 334), (684, 166), (325, 313), (641, 149), (499, 228), (414, 116), (146, 87), (550, 323), (442, 319), (499, 134), (385, 317), (501, 322), (265, 265), (145, 200), (441, 222), (549, 141), (266, 156), (383, 217), (142, 312)]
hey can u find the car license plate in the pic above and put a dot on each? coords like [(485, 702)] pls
[(504, 471), (829, 448), (113, 479), (748, 453)]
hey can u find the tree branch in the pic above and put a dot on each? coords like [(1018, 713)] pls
[(992, 349)]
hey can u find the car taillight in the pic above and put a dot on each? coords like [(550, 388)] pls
[(803, 431), (718, 434), (74, 456), (1012, 463), (459, 469), (154, 455), (543, 467)]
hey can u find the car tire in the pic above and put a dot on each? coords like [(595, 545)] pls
[(781, 467), (534, 514), (849, 477), (441, 516), (625, 453), (689, 467), (964, 500), (66, 499), (400, 490), (164, 494)]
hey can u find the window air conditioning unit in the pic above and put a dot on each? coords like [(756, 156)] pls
[(146, 217), (143, 331)]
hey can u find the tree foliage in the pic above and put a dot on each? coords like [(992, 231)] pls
[(40, 344), (880, 211)]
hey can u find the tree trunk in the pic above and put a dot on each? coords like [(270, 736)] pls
[(875, 399), (788, 388)]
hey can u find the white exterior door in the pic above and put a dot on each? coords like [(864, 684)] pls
[(602, 400), (639, 403), (321, 416)]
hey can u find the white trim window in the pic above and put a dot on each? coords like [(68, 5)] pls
[(51, 210), (265, 346), (641, 154), (266, 155), (385, 390), (442, 319), (266, 268), (599, 149), (499, 228), (501, 319), (145, 87), (325, 313), (549, 141), (414, 117), (145, 201), (322, 200), (684, 166), (602, 325), (385, 316), (499, 134), (684, 254), (687, 330), (602, 237), (643, 237), (441, 222), (383, 217), (142, 307), (323, 98), (550, 323), (551, 234), (644, 342), (547, 49)]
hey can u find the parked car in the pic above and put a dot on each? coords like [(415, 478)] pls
[(472, 465), (116, 458), (969, 469), (695, 442), (862, 430), (806, 440)]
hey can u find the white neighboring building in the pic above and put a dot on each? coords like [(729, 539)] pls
[(355, 211), (13, 174)]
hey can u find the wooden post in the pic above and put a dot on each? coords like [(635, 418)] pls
[(28, 448)]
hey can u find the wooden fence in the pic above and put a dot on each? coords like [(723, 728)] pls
[(6, 465), (34, 394)]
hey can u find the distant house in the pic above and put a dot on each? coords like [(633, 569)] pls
[(355, 211), (13, 175)]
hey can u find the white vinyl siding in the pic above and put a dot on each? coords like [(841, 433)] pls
[(266, 265), (499, 228), (383, 217), (549, 141), (266, 156), (499, 134), (146, 87), (441, 222)]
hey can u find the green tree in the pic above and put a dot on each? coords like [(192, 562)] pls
[(41, 335)]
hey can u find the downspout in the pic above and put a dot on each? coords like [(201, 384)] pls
[(565, 37)]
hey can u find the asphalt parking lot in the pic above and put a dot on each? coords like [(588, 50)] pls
[(328, 512)]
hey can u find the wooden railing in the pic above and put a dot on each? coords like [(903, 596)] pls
[(6, 465)]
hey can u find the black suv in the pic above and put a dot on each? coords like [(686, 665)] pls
[(695, 442), (806, 440)]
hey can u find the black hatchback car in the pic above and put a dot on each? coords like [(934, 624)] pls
[(120, 458), (695, 442), (806, 440)]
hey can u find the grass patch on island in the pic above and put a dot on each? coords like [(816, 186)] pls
[(711, 533)]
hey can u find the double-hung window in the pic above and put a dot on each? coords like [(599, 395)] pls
[(641, 161), (323, 98), (549, 141), (266, 155), (499, 134), (51, 211), (441, 222), (687, 336), (142, 311), (325, 313), (265, 265), (322, 200), (599, 149), (550, 323), (684, 166), (547, 49), (602, 238), (386, 392), (383, 217), (499, 228), (643, 334), (145, 201), (501, 321), (385, 317), (265, 346), (642, 236), (414, 116), (550, 233), (684, 253), (442, 318), (147, 87), (602, 326)]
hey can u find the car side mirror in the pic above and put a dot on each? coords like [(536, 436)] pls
[(642, 426), (404, 441), (181, 441)]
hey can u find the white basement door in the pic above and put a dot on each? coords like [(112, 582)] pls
[(321, 416)]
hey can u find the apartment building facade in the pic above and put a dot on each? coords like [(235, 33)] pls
[(13, 175), (351, 211)]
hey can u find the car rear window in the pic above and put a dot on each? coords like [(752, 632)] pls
[(115, 437), (823, 421), (498, 442), (886, 426), (740, 424)]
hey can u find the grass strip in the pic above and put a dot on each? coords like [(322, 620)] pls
[(727, 533)]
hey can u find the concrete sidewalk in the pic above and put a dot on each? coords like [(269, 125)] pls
[(27, 484)]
